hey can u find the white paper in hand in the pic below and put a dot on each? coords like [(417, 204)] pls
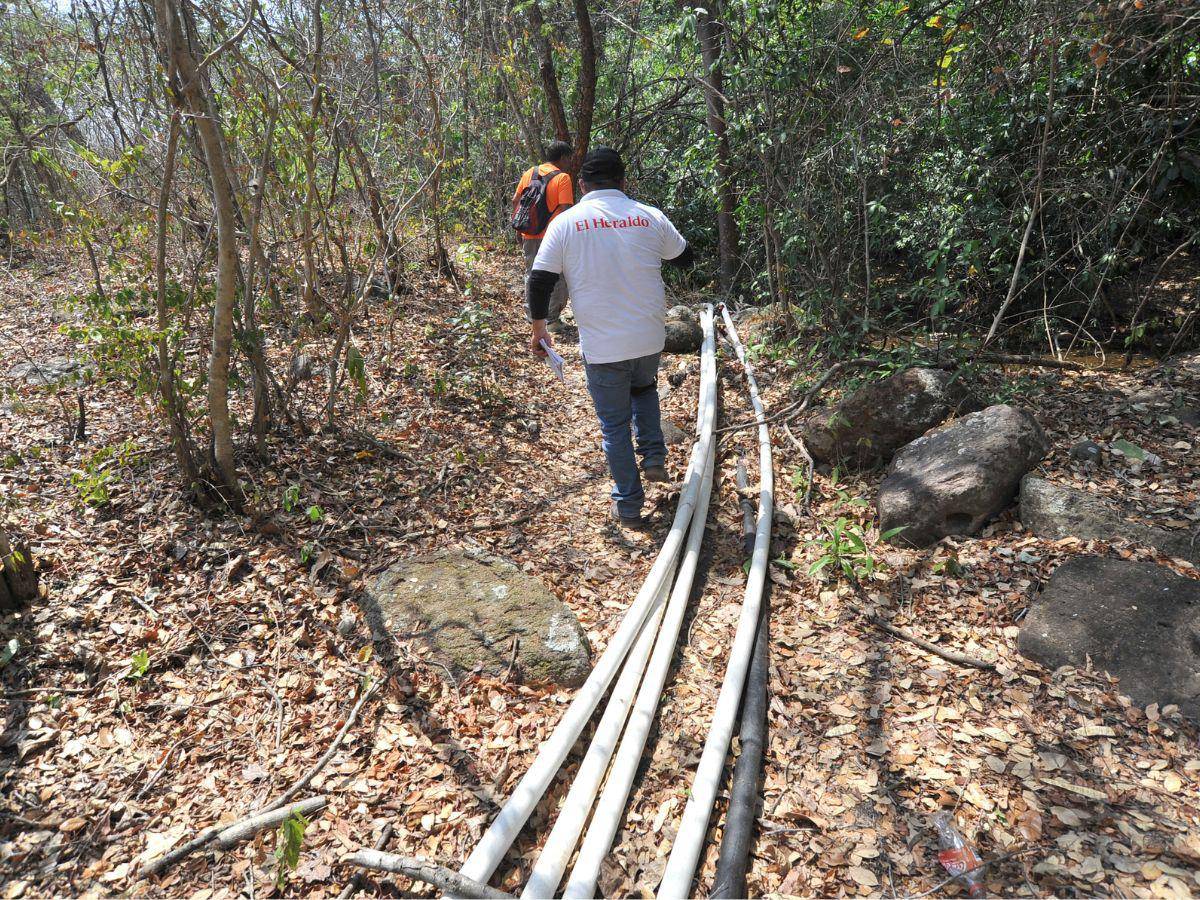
[(556, 362)]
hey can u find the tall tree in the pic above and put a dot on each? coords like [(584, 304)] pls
[(709, 29), (188, 93)]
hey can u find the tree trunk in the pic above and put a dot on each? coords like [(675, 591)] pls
[(558, 113), (708, 35), (252, 337), (224, 205), (181, 444), (585, 103), (18, 578), (312, 305)]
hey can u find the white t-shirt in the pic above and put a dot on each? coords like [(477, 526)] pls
[(610, 249)]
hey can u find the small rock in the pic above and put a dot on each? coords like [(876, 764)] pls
[(468, 606), (673, 434), (1054, 511), (957, 477), (871, 424), (1187, 364), (347, 625), (683, 336), (1086, 451), (683, 313), (1137, 621), (301, 368)]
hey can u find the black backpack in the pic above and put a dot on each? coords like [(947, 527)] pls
[(532, 214)]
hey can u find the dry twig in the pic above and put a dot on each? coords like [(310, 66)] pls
[(226, 836), (419, 869)]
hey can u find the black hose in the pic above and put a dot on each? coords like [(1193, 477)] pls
[(736, 841), (748, 517)]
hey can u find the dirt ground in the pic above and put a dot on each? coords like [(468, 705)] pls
[(183, 668)]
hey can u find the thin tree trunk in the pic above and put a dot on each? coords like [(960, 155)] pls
[(171, 32), (252, 337), (181, 444), (1034, 206), (311, 304)]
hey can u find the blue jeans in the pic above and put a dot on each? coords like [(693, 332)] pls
[(622, 392)]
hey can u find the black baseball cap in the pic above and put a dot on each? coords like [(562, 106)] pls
[(602, 164)]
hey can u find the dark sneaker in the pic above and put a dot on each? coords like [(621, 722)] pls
[(637, 523), (657, 473), (558, 326)]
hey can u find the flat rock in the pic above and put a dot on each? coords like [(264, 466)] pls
[(1135, 620), (683, 336), (468, 606), (1054, 511), (866, 428), (957, 477), (45, 371)]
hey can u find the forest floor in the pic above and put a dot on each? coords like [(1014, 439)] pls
[(184, 669)]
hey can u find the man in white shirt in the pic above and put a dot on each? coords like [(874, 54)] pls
[(610, 249)]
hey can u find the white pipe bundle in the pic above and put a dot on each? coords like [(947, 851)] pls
[(681, 866), (552, 861), (482, 862), (611, 807)]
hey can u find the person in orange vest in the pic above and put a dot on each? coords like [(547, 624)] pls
[(543, 192)]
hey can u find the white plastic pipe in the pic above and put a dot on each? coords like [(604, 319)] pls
[(681, 866), (499, 837), (553, 860), (611, 807), (578, 803)]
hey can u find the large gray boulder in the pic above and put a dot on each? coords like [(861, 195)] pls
[(955, 478), (683, 336), (1054, 511), (468, 607), (1135, 620), (879, 418), (45, 372)]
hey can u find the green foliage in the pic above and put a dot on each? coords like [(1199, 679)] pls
[(1014, 389), (356, 369), (474, 332), (288, 846), (101, 471), (9, 651), (844, 550), (138, 664), (118, 328)]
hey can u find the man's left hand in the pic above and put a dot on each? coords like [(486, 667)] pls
[(539, 334)]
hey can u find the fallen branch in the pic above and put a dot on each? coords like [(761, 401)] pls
[(961, 659), (227, 836), (312, 773), (794, 409), (356, 882), (1015, 359), (810, 466), (446, 880)]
